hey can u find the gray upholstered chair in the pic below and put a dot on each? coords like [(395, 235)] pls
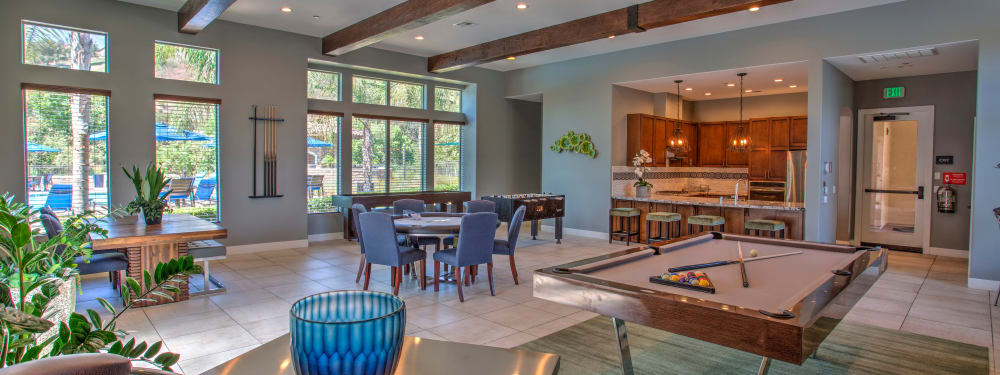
[(81, 364), (358, 209), (475, 247), (111, 262), (379, 237), (472, 207), (400, 207), (506, 247), (205, 251)]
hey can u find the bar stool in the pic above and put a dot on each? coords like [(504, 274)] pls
[(773, 226), (661, 218), (706, 220), (624, 215)]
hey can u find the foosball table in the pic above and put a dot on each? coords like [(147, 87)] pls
[(537, 207)]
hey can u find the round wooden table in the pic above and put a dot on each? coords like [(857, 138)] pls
[(432, 224)]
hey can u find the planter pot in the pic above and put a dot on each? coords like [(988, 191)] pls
[(59, 308), (153, 217), (642, 191)]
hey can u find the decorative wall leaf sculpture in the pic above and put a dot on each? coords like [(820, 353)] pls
[(573, 142)]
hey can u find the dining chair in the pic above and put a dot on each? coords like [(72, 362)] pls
[(400, 207), (471, 207), (358, 209), (475, 247), (111, 262), (506, 247), (379, 237)]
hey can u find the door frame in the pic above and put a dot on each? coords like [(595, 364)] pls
[(924, 205)]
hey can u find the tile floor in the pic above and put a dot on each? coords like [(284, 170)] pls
[(918, 293)]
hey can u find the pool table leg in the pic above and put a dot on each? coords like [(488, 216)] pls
[(623, 350), (765, 364)]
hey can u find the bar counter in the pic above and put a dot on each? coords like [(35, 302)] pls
[(736, 214)]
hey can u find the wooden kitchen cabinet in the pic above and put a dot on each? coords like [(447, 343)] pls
[(777, 165), (760, 134), (639, 135), (734, 158), (760, 164), (779, 132), (659, 143), (798, 133), (769, 155), (712, 144), (691, 133)]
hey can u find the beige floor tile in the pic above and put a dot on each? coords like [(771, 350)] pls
[(435, 315), (252, 313), (947, 314), (478, 304), (520, 317), (237, 299), (519, 294), (201, 364), (325, 273), (195, 305), (284, 279), (259, 272), (554, 326), (294, 292), (174, 326), (875, 318), (428, 335), (891, 294), (948, 331), (473, 330), (884, 305), (583, 315), (268, 329), (514, 340), (210, 342), (247, 264), (552, 307)]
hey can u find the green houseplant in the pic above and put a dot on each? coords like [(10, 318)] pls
[(31, 274), (150, 199), (639, 161)]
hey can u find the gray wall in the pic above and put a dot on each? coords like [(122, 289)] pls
[(624, 101), (577, 96), (833, 108), (953, 96), (259, 66), (753, 106), (665, 104)]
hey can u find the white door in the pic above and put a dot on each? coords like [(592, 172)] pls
[(895, 176)]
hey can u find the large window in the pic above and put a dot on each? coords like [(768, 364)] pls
[(406, 156), (408, 95), (323, 85), (64, 47), (447, 156), (370, 90), (385, 92), (66, 146), (448, 100), (187, 143), (186, 63), (368, 155), (322, 160)]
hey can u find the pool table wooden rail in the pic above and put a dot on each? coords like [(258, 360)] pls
[(791, 339)]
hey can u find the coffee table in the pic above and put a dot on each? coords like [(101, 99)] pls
[(420, 356)]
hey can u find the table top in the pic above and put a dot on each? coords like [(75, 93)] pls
[(429, 224), (419, 356), (174, 228)]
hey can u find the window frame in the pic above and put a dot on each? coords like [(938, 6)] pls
[(107, 44), (452, 89), (340, 162), (388, 152), (340, 85), (461, 152), (353, 100), (218, 141), (423, 93), (218, 62)]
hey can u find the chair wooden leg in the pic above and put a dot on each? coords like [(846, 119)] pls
[(467, 275), (397, 276), (513, 269), (368, 274), (437, 274), (489, 275), (361, 269), (474, 270), (458, 282), (423, 274)]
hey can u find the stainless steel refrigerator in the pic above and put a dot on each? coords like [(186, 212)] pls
[(795, 178)]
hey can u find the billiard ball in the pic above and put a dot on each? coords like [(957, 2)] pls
[(753, 253), (703, 282), (675, 278)]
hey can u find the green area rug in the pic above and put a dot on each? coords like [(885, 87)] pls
[(590, 348)]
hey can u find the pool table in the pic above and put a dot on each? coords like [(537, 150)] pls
[(790, 306)]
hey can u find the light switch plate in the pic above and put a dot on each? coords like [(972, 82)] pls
[(937, 175)]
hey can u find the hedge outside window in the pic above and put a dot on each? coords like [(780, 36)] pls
[(407, 95), (370, 90), (447, 100), (187, 143), (368, 155), (64, 47), (406, 156), (186, 63), (322, 160), (447, 157), (323, 85)]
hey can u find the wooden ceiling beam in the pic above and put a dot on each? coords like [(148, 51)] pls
[(636, 18), (401, 18), (195, 15)]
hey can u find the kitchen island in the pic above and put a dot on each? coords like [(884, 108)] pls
[(736, 213)]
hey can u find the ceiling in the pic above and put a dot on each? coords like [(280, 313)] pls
[(760, 79), (945, 58), (500, 19)]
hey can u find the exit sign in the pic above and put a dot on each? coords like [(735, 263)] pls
[(893, 92)]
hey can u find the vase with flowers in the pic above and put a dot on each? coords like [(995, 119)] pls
[(639, 161)]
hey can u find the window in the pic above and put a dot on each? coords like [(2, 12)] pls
[(447, 157), (406, 158), (323, 85), (66, 146), (322, 160), (368, 155), (370, 90), (408, 95), (186, 63), (187, 144), (63, 47), (448, 100)]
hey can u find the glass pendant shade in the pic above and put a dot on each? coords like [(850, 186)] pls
[(677, 142), (740, 140)]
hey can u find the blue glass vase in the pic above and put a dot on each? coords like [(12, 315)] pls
[(347, 332)]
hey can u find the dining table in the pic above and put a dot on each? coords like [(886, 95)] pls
[(145, 246), (432, 224)]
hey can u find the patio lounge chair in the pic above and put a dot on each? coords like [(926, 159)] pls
[(181, 188), (314, 182), (60, 198), (205, 189)]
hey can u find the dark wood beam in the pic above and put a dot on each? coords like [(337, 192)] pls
[(637, 18), (394, 21), (195, 15)]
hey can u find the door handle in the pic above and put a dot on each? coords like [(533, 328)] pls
[(919, 192)]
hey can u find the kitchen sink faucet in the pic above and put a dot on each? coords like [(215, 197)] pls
[(736, 193)]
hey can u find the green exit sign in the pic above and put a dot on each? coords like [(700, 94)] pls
[(893, 92)]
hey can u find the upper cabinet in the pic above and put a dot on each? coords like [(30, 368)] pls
[(691, 133), (712, 144), (733, 158), (798, 134), (640, 135)]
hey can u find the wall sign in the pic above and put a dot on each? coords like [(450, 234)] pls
[(893, 92), (954, 178), (944, 159)]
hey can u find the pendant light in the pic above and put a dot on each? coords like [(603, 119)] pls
[(740, 141), (677, 142)]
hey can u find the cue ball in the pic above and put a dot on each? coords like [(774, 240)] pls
[(753, 253)]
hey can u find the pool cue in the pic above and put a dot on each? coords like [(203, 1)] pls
[(725, 262), (274, 150), (743, 266)]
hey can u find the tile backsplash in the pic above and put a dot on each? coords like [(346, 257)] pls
[(711, 180)]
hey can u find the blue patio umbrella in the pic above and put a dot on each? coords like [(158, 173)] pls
[(313, 142), (447, 144), (164, 133), (34, 147)]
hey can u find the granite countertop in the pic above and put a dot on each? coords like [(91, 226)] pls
[(714, 202)]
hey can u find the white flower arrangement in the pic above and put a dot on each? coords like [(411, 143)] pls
[(639, 161)]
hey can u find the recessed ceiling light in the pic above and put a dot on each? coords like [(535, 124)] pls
[(754, 8), (688, 88), (522, 6), (286, 9), (708, 94), (730, 84), (778, 80), (315, 17), (511, 58), (419, 37), (793, 86)]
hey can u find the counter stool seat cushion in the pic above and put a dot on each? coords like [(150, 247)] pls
[(625, 212), (710, 220), (663, 216), (763, 224), (206, 249)]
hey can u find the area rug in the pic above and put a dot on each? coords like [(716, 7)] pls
[(590, 348)]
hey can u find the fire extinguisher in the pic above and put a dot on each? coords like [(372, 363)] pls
[(945, 199)]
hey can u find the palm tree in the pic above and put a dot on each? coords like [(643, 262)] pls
[(82, 50)]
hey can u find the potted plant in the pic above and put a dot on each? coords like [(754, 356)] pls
[(639, 161), (150, 198)]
